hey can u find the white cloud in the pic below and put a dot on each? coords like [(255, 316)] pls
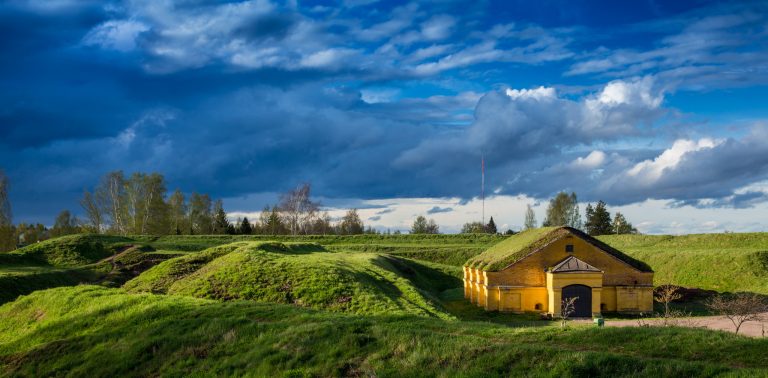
[(437, 27), (116, 35), (329, 58), (540, 93), (520, 124), (649, 171), (375, 96), (591, 161), (651, 216), (629, 92)]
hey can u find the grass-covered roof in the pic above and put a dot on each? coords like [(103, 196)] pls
[(518, 246)]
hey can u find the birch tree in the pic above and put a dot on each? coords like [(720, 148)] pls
[(298, 209)]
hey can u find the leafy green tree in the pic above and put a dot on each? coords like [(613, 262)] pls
[(155, 210), (490, 228), (113, 197), (473, 228), (423, 226), (563, 210), (177, 209), (93, 211), (201, 220), (322, 225), (220, 221), (530, 218), (65, 224), (574, 215), (26, 234), (245, 227), (351, 224), (598, 220), (620, 225)]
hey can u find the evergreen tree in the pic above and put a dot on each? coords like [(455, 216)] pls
[(598, 220), (530, 218), (245, 227), (275, 225), (589, 212), (490, 228), (220, 221)]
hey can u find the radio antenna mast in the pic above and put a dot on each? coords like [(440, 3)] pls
[(482, 184)]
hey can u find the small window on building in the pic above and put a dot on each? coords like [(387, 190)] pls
[(569, 248), (537, 307), (602, 306)]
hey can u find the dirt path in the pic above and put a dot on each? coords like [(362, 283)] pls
[(754, 329)]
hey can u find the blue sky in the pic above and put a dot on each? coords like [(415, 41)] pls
[(658, 108)]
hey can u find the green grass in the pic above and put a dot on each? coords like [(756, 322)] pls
[(94, 331), (73, 260), (513, 249), (302, 274), (721, 262), (65, 251)]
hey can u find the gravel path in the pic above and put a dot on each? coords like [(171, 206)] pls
[(754, 329)]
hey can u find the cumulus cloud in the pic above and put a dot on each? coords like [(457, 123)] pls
[(520, 124), (697, 170)]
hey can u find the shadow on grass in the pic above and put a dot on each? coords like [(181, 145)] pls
[(114, 334)]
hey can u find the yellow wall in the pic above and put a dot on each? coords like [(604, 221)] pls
[(524, 284), (557, 281)]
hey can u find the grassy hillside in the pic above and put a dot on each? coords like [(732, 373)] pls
[(445, 249), (93, 331), (71, 260), (297, 273), (66, 251), (722, 262)]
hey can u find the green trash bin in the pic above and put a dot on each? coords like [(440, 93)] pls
[(600, 322)]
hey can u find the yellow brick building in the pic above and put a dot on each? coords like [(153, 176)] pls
[(538, 268)]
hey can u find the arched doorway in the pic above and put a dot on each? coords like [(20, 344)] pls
[(582, 305)]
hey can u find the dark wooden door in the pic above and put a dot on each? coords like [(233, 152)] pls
[(583, 305)]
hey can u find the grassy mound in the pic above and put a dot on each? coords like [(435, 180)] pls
[(300, 274), (721, 262), (93, 331), (66, 251), (444, 249)]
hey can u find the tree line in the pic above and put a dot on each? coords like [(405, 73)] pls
[(563, 210), (139, 204)]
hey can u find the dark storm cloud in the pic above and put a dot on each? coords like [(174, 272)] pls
[(235, 98)]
